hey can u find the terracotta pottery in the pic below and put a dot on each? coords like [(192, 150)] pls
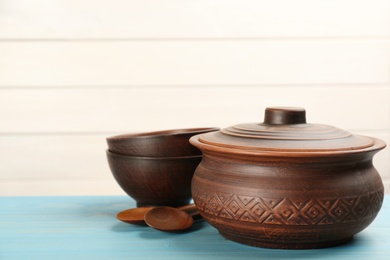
[(287, 184), (166, 143), (155, 181)]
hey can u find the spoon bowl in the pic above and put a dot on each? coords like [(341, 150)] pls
[(137, 215), (133, 216), (168, 219)]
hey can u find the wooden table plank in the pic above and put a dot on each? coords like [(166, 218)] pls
[(86, 228)]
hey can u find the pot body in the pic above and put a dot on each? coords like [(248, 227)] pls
[(287, 202)]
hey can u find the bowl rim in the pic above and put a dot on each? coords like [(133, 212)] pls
[(110, 153), (162, 133)]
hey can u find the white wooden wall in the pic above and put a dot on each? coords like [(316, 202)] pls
[(73, 72)]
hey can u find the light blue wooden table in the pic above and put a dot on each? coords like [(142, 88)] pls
[(86, 228)]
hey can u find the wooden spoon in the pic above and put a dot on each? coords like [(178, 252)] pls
[(171, 219), (133, 216), (137, 215)]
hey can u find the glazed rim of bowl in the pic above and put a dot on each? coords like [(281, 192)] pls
[(153, 158), (163, 133)]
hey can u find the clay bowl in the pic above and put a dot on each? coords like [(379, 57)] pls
[(287, 184), (168, 143), (155, 181)]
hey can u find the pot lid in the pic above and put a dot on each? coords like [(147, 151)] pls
[(285, 130)]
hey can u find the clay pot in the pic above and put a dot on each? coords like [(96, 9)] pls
[(155, 181), (166, 143), (287, 184)]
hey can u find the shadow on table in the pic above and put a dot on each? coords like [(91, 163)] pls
[(211, 244), (204, 240)]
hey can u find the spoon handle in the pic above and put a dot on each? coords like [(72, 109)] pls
[(192, 210), (197, 217)]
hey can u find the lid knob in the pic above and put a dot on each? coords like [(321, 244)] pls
[(284, 115)]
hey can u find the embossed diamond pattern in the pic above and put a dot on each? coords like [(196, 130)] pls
[(277, 211)]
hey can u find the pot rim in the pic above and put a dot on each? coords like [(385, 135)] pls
[(378, 145)]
